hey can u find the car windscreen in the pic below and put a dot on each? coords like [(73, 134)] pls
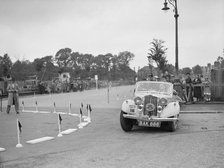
[(157, 87)]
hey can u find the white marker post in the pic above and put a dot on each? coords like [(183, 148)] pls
[(69, 108), (54, 108), (80, 119), (89, 114), (23, 106), (108, 95), (117, 96), (36, 107), (59, 126), (96, 78), (19, 145)]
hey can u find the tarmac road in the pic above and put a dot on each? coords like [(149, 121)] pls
[(197, 143)]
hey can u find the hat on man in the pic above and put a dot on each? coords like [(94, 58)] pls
[(8, 78)]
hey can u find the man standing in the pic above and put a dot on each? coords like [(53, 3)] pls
[(189, 87), (13, 95), (197, 88), (167, 76)]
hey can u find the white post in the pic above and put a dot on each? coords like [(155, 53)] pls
[(96, 79), (54, 108), (36, 106), (89, 114), (19, 145), (59, 128), (23, 106), (108, 95), (80, 121), (69, 108)]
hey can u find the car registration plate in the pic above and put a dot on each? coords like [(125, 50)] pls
[(149, 123)]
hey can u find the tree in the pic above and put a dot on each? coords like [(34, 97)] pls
[(102, 65), (41, 63), (157, 52), (81, 65), (44, 67), (125, 57), (197, 70), (186, 70), (170, 68), (114, 70), (122, 61), (5, 65), (21, 69), (75, 61), (63, 57)]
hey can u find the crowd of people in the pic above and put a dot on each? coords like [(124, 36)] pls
[(190, 89), (197, 89)]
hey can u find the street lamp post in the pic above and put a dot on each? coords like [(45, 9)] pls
[(176, 15)]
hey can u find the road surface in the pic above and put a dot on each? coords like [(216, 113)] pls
[(197, 143)]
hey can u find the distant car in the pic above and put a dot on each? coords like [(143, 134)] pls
[(155, 104)]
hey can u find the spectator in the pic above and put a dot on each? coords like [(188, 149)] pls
[(197, 80), (202, 79), (207, 90), (197, 88), (179, 87), (13, 96), (167, 76), (150, 77), (163, 78), (189, 87)]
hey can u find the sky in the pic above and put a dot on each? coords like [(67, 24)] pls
[(32, 29)]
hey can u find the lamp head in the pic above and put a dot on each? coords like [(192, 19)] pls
[(165, 8)]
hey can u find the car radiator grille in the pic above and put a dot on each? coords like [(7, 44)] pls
[(153, 100)]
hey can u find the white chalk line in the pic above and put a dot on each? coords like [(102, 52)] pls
[(38, 140), (49, 112), (68, 131), (2, 149)]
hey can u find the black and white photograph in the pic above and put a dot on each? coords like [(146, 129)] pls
[(111, 84)]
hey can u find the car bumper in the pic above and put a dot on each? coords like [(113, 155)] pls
[(147, 118)]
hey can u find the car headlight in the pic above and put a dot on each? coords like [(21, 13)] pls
[(138, 101), (163, 101), (159, 109)]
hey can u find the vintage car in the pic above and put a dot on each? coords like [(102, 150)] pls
[(155, 104)]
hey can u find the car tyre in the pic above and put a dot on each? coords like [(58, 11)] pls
[(126, 124), (172, 126)]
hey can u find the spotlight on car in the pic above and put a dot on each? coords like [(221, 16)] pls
[(159, 109), (163, 101), (138, 101)]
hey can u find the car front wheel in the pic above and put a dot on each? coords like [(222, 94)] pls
[(126, 124), (172, 126)]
